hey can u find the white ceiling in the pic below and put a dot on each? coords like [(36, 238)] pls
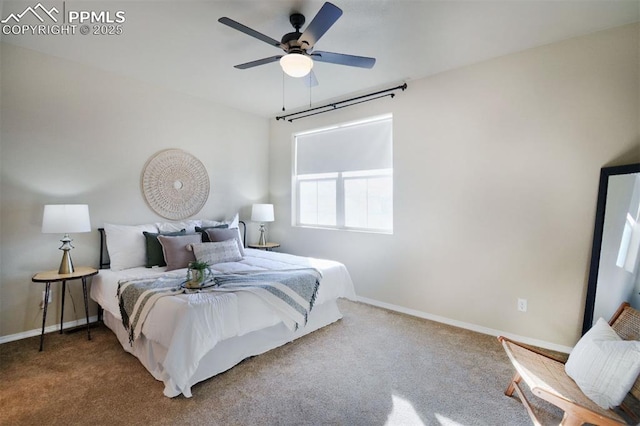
[(181, 46)]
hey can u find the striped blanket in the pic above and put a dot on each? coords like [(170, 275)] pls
[(290, 293)]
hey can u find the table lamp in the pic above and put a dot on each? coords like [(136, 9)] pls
[(65, 219), (262, 213)]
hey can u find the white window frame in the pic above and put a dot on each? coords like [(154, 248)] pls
[(315, 178), (340, 178), (373, 174)]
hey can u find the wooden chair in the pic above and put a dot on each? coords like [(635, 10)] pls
[(546, 378)]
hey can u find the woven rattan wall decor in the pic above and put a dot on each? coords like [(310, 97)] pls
[(175, 184)]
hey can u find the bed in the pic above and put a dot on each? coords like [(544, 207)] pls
[(190, 337)]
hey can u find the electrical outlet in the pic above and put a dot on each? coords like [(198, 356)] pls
[(44, 293), (522, 305)]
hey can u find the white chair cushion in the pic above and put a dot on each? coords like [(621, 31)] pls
[(603, 365)]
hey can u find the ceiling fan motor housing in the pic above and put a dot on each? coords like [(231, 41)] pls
[(289, 41), (297, 20)]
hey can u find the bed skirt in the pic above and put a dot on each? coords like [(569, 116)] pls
[(226, 353)]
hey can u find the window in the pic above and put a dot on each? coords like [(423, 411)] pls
[(318, 200), (343, 177)]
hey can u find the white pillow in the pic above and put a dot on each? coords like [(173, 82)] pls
[(233, 223), (126, 245), (603, 365), (187, 225), (205, 223), (220, 252)]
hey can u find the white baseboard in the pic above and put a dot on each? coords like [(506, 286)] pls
[(49, 329), (412, 312), (466, 325)]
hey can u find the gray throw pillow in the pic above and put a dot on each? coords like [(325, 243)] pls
[(155, 256), (221, 252), (176, 250), (203, 230), (217, 235)]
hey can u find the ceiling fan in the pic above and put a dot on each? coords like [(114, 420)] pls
[(298, 47)]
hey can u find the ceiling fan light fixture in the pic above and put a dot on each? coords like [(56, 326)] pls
[(296, 64)]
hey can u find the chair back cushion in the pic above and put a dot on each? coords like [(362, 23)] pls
[(627, 326), (604, 366)]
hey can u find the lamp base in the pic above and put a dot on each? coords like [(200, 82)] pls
[(66, 265), (263, 239)]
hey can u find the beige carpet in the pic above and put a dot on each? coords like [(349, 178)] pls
[(373, 367)]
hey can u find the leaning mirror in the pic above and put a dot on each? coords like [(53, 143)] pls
[(614, 275)]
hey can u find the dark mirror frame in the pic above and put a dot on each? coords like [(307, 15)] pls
[(601, 208)]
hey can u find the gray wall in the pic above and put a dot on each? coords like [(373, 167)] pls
[(496, 170), (73, 134)]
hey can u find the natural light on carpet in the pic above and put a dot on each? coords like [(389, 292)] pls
[(445, 421), (403, 413)]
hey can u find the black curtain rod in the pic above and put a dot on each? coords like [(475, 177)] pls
[(291, 120), (335, 105)]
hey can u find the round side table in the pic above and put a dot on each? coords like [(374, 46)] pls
[(48, 277)]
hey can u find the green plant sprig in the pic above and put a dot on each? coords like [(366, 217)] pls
[(198, 265)]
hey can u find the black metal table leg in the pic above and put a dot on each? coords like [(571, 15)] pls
[(86, 305), (48, 277), (64, 285), (44, 313)]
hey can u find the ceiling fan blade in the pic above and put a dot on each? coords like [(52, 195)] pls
[(249, 31), (262, 61), (310, 80), (324, 19), (342, 59)]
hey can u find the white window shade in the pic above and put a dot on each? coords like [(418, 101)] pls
[(362, 146), (343, 176)]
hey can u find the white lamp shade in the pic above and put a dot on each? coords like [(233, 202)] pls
[(66, 219), (262, 213), (296, 64)]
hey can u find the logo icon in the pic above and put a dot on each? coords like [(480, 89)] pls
[(33, 11)]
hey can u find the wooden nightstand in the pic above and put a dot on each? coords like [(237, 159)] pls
[(267, 247), (48, 277)]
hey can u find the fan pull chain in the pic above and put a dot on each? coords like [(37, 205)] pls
[(283, 91), (309, 89)]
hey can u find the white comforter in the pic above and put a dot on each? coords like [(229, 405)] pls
[(190, 325)]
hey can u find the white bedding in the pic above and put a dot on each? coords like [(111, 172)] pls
[(189, 326)]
